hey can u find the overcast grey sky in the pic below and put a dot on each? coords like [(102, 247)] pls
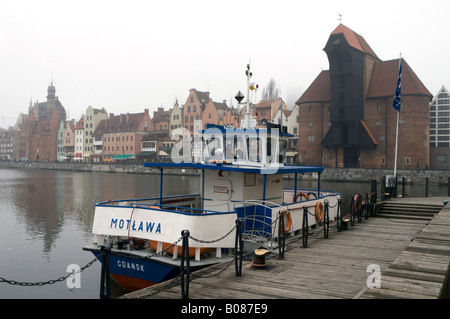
[(130, 55)]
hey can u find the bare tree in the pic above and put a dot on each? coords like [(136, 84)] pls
[(270, 92)]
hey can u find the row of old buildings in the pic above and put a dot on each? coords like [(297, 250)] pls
[(45, 135), (345, 118)]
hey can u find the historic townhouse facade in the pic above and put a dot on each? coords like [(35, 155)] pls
[(193, 109), (69, 140), (219, 113), (176, 116), (161, 120), (92, 118), (79, 140), (60, 155), (122, 135), (6, 144)]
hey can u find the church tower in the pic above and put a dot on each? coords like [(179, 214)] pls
[(51, 96)]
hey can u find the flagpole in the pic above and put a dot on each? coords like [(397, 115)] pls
[(396, 147), (396, 130)]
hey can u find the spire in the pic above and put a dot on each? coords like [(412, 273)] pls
[(51, 92)]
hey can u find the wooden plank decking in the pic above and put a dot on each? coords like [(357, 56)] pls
[(422, 269), (337, 267)]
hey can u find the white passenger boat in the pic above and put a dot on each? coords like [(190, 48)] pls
[(241, 172)]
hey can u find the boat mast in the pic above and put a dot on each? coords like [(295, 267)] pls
[(248, 121), (247, 117), (247, 113)]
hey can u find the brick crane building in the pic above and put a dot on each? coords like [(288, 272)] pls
[(346, 118)]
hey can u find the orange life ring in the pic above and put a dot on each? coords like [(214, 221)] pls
[(319, 211), (289, 220), (301, 195)]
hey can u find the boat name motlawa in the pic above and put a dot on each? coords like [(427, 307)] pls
[(143, 226)]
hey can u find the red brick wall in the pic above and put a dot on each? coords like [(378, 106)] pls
[(313, 123)]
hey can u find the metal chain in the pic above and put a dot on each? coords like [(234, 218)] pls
[(49, 282), (118, 253), (214, 240), (213, 275)]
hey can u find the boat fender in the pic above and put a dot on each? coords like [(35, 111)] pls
[(302, 195), (319, 211)]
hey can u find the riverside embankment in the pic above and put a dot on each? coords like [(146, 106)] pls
[(416, 176)]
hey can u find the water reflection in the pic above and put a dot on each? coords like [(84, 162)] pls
[(46, 218)]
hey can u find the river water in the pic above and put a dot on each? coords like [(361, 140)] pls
[(46, 218)]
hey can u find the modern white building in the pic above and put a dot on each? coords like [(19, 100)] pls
[(440, 130), (440, 119)]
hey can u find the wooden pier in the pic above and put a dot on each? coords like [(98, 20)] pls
[(412, 255)]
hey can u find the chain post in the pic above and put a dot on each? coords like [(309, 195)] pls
[(366, 207), (185, 270), (339, 215), (352, 211), (105, 287), (281, 234), (326, 219), (359, 212), (238, 248), (305, 227)]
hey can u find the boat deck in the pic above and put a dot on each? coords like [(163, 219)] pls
[(338, 266)]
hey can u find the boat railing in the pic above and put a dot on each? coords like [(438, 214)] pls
[(261, 218), (181, 203), (302, 195), (258, 225)]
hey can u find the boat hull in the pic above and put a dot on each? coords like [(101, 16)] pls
[(133, 272)]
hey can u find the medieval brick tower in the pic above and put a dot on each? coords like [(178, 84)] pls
[(346, 115)]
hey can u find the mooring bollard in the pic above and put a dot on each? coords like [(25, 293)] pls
[(185, 269), (105, 287)]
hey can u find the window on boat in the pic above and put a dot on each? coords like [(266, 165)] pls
[(234, 148), (254, 149), (282, 150), (214, 148), (272, 145)]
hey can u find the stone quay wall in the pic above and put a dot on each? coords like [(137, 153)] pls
[(330, 174)]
